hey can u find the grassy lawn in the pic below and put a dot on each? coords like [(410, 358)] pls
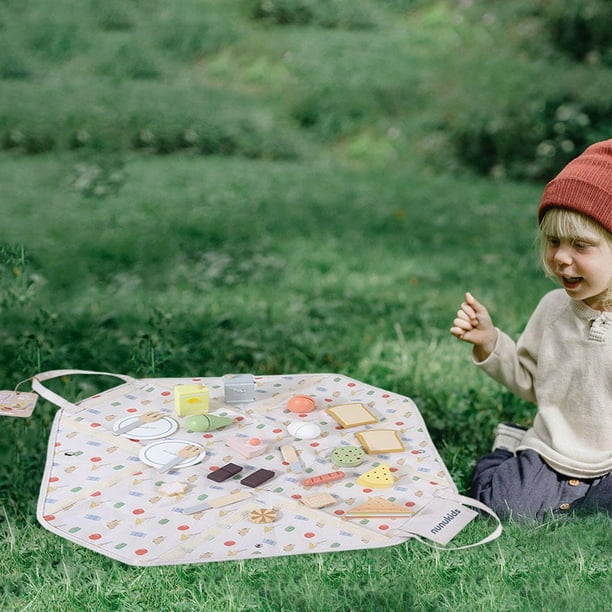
[(305, 215), (205, 266)]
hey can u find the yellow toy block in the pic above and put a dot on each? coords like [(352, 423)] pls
[(191, 399)]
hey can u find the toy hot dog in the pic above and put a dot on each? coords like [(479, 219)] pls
[(323, 478)]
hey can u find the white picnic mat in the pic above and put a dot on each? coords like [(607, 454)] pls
[(98, 492)]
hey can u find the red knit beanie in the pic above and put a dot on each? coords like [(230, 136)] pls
[(584, 186)]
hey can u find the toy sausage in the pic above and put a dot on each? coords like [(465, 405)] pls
[(323, 478)]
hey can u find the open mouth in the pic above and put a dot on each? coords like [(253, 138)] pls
[(571, 282)]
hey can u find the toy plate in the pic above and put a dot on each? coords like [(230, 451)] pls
[(159, 453), (166, 426)]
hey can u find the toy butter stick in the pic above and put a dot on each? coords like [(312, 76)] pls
[(291, 457), (323, 478), (218, 502)]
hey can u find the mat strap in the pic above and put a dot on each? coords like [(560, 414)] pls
[(57, 399)]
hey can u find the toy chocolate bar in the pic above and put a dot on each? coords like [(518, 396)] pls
[(224, 472), (257, 478)]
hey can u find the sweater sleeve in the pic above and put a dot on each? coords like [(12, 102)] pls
[(513, 364)]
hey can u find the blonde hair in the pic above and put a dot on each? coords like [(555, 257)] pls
[(570, 225)]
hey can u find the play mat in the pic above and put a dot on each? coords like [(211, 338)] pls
[(358, 471)]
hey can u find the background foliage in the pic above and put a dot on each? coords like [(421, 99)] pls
[(511, 90)]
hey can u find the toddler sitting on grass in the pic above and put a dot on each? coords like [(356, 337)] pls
[(562, 361)]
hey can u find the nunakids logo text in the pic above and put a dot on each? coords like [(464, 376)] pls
[(445, 521)]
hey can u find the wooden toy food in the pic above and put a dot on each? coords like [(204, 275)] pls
[(377, 478), (348, 456), (301, 403)]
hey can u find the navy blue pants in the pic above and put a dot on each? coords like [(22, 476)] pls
[(523, 486)]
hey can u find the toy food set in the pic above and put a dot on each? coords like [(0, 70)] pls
[(239, 388), (301, 403), (206, 422), (142, 474), (352, 415), (191, 399)]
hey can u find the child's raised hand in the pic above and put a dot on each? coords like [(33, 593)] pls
[(473, 324)]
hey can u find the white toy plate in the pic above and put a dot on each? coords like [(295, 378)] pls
[(166, 426), (159, 453)]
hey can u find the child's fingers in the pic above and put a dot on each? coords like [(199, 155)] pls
[(459, 333), (467, 314), (462, 323), (467, 319), (468, 310), (473, 303)]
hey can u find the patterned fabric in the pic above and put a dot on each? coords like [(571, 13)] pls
[(98, 493)]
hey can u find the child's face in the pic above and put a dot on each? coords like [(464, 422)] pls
[(582, 265)]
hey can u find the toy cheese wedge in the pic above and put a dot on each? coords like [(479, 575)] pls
[(377, 478)]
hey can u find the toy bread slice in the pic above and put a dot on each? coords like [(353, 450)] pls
[(377, 478), (380, 441), (351, 415), (378, 507)]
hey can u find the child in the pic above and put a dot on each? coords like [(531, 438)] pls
[(562, 361)]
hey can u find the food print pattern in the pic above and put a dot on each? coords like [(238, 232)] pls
[(98, 493)]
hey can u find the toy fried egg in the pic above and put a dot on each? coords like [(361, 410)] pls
[(304, 431)]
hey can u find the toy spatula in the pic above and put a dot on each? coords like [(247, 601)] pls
[(187, 452), (146, 417)]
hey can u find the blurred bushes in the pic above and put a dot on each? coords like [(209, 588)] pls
[(580, 28), (147, 117), (348, 14), (508, 89), (13, 64), (342, 14), (100, 75), (527, 88)]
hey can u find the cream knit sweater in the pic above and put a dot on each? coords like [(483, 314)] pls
[(563, 363)]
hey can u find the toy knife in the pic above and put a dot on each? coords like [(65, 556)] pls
[(218, 502), (187, 452), (291, 457)]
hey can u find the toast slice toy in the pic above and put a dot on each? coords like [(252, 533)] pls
[(378, 507), (351, 415), (380, 441), (377, 478)]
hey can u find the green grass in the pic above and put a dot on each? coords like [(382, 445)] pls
[(44, 573), (267, 199), (205, 266)]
